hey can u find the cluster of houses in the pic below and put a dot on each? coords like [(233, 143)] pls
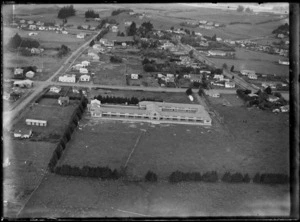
[(249, 73), (262, 48), (218, 53), (87, 27), (209, 25), (38, 25), (82, 68)]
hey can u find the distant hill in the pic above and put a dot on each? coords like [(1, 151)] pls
[(36, 9)]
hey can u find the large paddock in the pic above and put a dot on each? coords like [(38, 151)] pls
[(250, 141)]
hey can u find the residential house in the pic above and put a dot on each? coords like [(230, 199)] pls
[(281, 36), (216, 53), (77, 66), (83, 71), (32, 33), (23, 83), (92, 28), (203, 22), (22, 133), (195, 78), (283, 62), (205, 71), (18, 71), (80, 35), (285, 108), (92, 53), (219, 77), (35, 51), (85, 78), (22, 21), (55, 89), (252, 76), (98, 48), (169, 75), (128, 23), (134, 76), (114, 28), (217, 25), (64, 32), (24, 26), (96, 58), (229, 85), (67, 78), (97, 19), (272, 98), (247, 72), (42, 28), (198, 34), (30, 74), (212, 93), (40, 23), (75, 89), (30, 22), (218, 39), (202, 43), (210, 23), (63, 100), (187, 76), (85, 26), (32, 27), (85, 63), (159, 75), (267, 84)]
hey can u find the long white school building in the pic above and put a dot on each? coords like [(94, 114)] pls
[(147, 111)]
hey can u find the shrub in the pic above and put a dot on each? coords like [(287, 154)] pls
[(211, 176), (58, 151), (115, 59), (237, 178), (246, 178), (176, 177), (271, 178), (256, 178), (226, 177), (151, 177)]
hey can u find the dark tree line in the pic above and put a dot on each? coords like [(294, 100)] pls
[(91, 14), (66, 12), (282, 29), (73, 123), (17, 41), (117, 100), (179, 176), (119, 11)]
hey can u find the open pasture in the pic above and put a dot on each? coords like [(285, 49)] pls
[(258, 61)]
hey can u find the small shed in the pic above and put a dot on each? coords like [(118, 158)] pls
[(22, 133)]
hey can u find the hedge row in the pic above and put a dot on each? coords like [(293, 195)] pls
[(87, 171), (271, 178), (76, 116), (179, 176), (235, 178)]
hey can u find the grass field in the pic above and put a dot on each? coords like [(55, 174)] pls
[(258, 61), (81, 197), (250, 141)]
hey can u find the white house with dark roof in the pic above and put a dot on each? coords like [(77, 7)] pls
[(67, 78)]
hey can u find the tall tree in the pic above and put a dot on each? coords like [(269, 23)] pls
[(240, 8), (132, 29)]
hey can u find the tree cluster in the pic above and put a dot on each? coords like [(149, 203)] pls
[(282, 29), (17, 41), (120, 34), (66, 12), (105, 173), (132, 29), (271, 178), (64, 50), (106, 20), (189, 91), (179, 176), (117, 100), (119, 11), (150, 177), (91, 14), (240, 8), (101, 34), (115, 59), (145, 28), (235, 178)]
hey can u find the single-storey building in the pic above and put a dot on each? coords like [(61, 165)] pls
[(216, 53), (83, 70), (18, 71), (36, 122), (252, 76), (23, 83), (67, 78), (229, 85), (134, 76), (212, 93), (77, 66), (80, 35), (55, 89), (272, 98), (85, 63), (32, 27), (85, 78), (247, 72), (22, 133)]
